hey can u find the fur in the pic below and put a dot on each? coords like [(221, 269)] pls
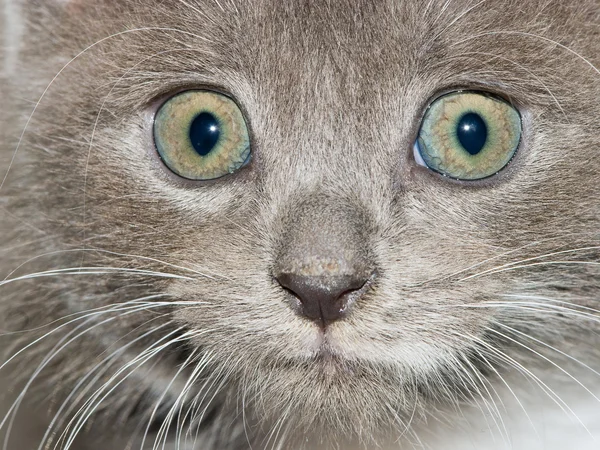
[(481, 326)]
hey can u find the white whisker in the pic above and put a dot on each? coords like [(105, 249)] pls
[(543, 386), (545, 358), (92, 271), (61, 345), (94, 380), (531, 35), (526, 266), (126, 306), (85, 412), (108, 252)]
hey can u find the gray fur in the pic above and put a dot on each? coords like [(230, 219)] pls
[(333, 92)]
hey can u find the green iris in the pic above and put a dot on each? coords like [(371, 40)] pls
[(201, 135), (468, 135)]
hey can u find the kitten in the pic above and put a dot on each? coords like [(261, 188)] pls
[(338, 275)]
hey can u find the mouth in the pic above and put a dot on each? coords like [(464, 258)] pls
[(331, 364), (325, 357)]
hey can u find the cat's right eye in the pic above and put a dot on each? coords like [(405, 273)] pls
[(201, 135)]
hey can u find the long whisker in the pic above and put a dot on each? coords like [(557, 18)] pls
[(551, 300), (124, 309), (469, 384), (500, 377), (534, 307), (534, 258), (545, 358), (545, 388), (92, 271), (200, 367), (455, 20), (179, 403), (83, 415), (79, 314), (244, 419), (198, 11), (536, 36), (108, 252), (197, 415), (519, 249), (572, 358), (80, 383), (526, 266), (61, 345), (160, 400), (484, 383), (126, 306), (405, 424)]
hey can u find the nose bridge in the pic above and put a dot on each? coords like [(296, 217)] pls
[(324, 236)]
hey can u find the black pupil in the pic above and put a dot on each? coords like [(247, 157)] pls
[(472, 133), (204, 133)]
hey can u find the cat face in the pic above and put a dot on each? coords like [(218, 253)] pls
[(332, 280)]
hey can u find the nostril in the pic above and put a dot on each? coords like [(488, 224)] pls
[(324, 298)]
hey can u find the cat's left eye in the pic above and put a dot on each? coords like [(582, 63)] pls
[(201, 135), (468, 135)]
